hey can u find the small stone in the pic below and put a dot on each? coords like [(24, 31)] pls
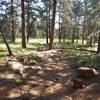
[(78, 83), (25, 96), (49, 83), (67, 98), (36, 67), (15, 65), (17, 72), (23, 60)]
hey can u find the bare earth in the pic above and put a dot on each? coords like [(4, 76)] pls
[(52, 82)]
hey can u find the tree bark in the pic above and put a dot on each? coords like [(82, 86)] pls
[(59, 28), (12, 22), (47, 28), (7, 45), (83, 35), (23, 24), (98, 49), (53, 25), (28, 19), (73, 35), (49, 19)]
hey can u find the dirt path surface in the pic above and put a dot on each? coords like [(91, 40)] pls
[(52, 82)]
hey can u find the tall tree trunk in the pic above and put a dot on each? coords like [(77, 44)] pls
[(23, 24), (83, 31), (73, 35), (53, 25), (91, 39), (64, 32), (59, 28), (83, 35), (47, 25), (78, 30), (28, 19), (7, 45), (98, 49), (12, 22), (77, 35), (49, 18)]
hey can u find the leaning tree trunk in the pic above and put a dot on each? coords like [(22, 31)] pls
[(23, 24), (7, 45), (53, 25)]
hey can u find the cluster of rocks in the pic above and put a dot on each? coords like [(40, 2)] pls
[(21, 65), (84, 72), (23, 60)]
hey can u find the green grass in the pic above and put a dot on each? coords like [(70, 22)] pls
[(82, 58), (68, 44), (19, 51)]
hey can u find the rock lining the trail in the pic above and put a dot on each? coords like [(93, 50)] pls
[(84, 72), (67, 98), (14, 64), (78, 83), (20, 68), (87, 72)]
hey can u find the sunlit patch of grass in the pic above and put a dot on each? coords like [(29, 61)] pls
[(17, 49), (68, 44), (84, 58), (81, 56)]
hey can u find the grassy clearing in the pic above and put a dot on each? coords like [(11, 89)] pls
[(19, 51), (82, 58), (30, 52), (68, 44)]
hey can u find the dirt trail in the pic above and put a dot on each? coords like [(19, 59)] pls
[(52, 82)]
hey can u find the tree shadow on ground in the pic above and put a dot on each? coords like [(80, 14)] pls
[(52, 82)]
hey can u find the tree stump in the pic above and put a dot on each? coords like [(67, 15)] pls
[(87, 72)]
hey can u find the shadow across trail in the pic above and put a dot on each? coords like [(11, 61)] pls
[(52, 82)]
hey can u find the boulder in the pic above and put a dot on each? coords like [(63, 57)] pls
[(78, 83), (87, 72)]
